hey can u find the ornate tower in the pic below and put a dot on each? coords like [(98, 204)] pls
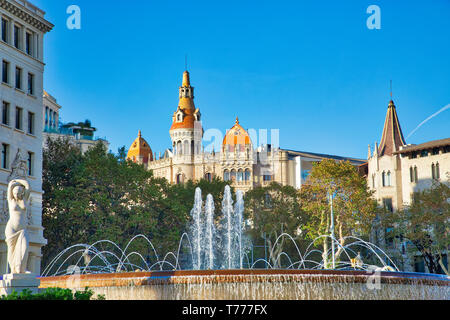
[(186, 133), (384, 169)]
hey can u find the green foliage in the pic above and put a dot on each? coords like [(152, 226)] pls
[(100, 195), (425, 224), (353, 207), (52, 294), (274, 210)]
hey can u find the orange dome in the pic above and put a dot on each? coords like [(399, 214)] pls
[(236, 135), (140, 151)]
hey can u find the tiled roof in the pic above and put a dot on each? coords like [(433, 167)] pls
[(426, 145)]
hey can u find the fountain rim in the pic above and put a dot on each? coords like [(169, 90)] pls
[(159, 275)]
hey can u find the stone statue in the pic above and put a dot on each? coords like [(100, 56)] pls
[(16, 229)]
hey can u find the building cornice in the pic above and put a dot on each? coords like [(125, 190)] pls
[(22, 12)]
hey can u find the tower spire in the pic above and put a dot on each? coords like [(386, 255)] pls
[(392, 138)]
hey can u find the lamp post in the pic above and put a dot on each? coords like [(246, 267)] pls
[(332, 230)]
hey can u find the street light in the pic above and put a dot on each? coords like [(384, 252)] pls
[(332, 228)]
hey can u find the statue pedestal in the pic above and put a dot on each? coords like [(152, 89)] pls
[(19, 282)]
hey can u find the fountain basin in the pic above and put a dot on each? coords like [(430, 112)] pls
[(259, 285)]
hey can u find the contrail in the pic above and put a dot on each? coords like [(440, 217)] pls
[(427, 119)]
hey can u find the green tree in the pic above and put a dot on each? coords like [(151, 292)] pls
[(353, 207), (274, 210), (425, 224), (100, 195)]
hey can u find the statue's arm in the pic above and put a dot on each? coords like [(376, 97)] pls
[(11, 186), (26, 185)]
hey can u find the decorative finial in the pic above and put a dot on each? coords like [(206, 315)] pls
[(140, 134), (237, 120)]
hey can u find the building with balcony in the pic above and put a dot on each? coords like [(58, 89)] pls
[(81, 134), (22, 30)]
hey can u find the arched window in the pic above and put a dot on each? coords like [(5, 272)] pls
[(388, 182), (180, 179), (383, 178), (179, 148), (247, 175), (208, 176), (435, 174), (411, 174), (416, 178), (240, 175), (192, 147), (233, 175), (186, 147), (226, 175)]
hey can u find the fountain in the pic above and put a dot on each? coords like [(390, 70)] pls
[(209, 264)]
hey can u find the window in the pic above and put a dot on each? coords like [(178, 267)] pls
[(30, 123), (17, 32), (388, 182), (19, 113), (424, 153), (413, 155), (179, 178), (5, 30), (415, 174), (30, 163), (435, 151), (5, 156), (411, 174), (31, 83), (29, 43), (233, 175), (18, 78), (5, 71), (383, 178), (226, 175), (240, 175), (267, 177), (435, 174), (247, 175), (208, 177), (46, 116), (373, 181), (5, 113), (387, 203)]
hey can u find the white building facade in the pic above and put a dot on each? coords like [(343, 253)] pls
[(396, 170), (22, 30)]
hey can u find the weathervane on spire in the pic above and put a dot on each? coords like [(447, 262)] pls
[(391, 89)]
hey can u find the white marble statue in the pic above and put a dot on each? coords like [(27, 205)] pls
[(16, 229)]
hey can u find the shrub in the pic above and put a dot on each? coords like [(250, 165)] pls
[(52, 294)]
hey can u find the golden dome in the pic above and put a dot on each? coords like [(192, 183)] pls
[(140, 150), (237, 136)]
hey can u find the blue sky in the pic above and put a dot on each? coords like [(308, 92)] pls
[(311, 69)]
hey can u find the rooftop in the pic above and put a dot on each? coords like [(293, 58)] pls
[(423, 146)]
